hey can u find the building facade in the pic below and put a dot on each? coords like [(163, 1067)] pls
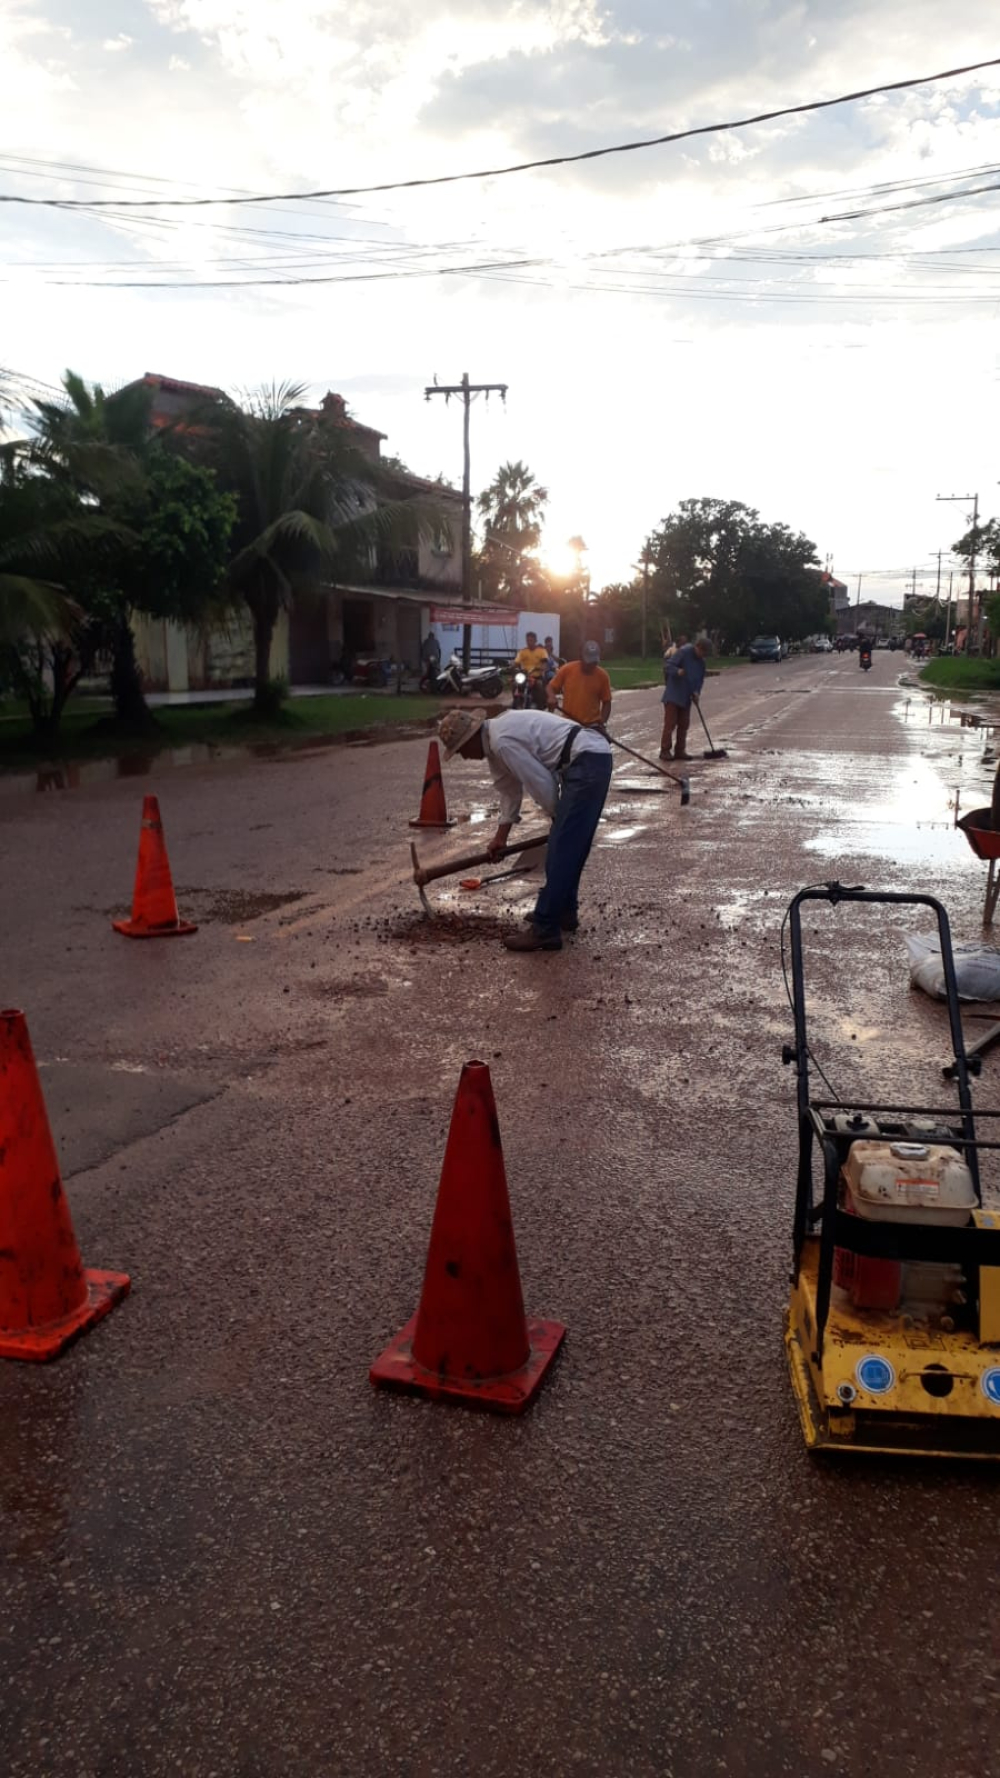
[(384, 615)]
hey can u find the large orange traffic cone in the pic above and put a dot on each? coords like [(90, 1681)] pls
[(154, 905), (469, 1340), (433, 811), (46, 1297)]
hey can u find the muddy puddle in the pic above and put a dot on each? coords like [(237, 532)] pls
[(78, 774)]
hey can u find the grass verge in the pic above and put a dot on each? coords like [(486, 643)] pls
[(960, 673), (631, 674), (220, 725)]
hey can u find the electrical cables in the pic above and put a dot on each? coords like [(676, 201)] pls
[(556, 160)]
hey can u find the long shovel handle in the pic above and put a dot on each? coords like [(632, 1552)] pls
[(644, 757), (450, 867)]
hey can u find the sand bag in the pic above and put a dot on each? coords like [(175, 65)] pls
[(977, 968)]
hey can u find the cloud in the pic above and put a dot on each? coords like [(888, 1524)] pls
[(122, 41), (791, 373)]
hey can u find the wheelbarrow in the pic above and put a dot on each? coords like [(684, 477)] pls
[(978, 829)]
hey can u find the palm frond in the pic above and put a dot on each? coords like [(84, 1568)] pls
[(31, 607)]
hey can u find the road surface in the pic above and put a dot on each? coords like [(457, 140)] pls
[(224, 1554)]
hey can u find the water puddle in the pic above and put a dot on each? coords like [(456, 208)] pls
[(619, 836), (78, 774)]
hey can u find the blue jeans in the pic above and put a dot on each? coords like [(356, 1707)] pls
[(583, 788)]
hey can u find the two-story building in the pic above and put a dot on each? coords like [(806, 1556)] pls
[(384, 614)]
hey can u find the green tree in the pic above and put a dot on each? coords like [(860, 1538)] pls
[(986, 538), (926, 619), (717, 566), (511, 511), (307, 502)]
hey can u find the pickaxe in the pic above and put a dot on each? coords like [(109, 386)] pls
[(453, 867)]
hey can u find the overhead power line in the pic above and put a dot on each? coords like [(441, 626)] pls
[(556, 160)]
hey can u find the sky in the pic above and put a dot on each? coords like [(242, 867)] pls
[(711, 317)]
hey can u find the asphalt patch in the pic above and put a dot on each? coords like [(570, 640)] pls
[(96, 1109), (236, 907), (444, 929)]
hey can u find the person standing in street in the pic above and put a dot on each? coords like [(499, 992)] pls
[(430, 655), (566, 768), (585, 688), (684, 673)]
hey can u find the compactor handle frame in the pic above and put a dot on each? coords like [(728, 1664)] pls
[(812, 1125)]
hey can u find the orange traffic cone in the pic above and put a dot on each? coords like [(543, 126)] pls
[(46, 1297), (154, 905), (469, 1340), (433, 812)]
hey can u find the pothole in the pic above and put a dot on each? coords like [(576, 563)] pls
[(446, 929)]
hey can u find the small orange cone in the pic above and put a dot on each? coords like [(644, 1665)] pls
[(154, 905), (469, 1340), (433, 811), (46, 1297)]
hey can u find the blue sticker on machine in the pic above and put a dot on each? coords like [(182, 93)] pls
[(875, 1374), (990, 1383)]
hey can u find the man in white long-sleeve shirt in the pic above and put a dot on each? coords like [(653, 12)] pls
[(567, 769)]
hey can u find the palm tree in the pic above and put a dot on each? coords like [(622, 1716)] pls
[(96, 445), (44, 538), (307, 501), (512, 509)]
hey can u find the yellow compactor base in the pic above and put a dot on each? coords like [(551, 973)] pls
[(913, 1412)]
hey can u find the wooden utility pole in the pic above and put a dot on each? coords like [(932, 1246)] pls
[(466, 391), (975, 614), (645, 595)]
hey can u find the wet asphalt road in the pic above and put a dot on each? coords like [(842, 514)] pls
[(224, 1554)]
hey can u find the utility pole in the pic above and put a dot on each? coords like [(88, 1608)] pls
[(645, 594), (466, 391), (972, 567), (947, 620)]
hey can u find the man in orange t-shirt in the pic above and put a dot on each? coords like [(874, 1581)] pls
[(585, 688)]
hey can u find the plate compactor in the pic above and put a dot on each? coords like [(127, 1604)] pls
[(893, 1326)]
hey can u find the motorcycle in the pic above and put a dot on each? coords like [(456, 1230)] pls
[(865, 660), (527, 691), (453, 681)]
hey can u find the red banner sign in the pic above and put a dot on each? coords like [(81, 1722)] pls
[(493, 615)]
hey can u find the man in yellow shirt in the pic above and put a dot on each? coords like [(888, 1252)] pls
[(531, 659), (585, 688)]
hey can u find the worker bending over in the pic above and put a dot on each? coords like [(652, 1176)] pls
[(585, 688), (567, 769)]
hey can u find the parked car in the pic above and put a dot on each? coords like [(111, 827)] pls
[(767, 648), (822, 645)]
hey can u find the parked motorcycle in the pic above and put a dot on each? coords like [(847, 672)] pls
[(453, 681)]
